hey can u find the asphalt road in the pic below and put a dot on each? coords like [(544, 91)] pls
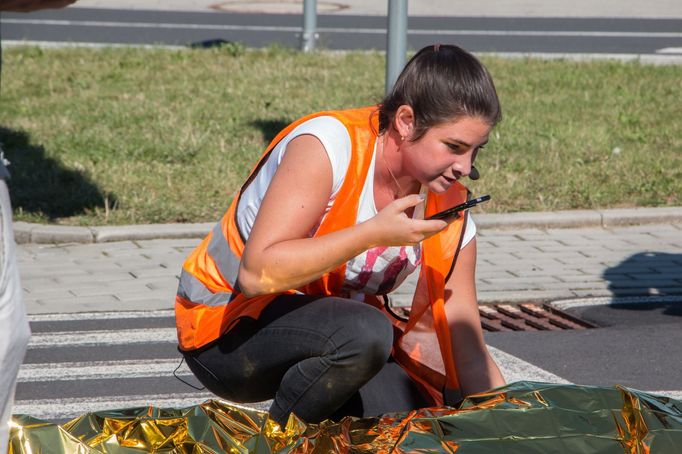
[(82, 362), (636, 345), (478, 34), (84, 358)]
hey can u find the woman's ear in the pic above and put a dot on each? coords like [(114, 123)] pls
[(403, 122)]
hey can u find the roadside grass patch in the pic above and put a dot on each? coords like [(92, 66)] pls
[(124, 135)]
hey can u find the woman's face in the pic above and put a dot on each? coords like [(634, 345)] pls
[(446, 152)]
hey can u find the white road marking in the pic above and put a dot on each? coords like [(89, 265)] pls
[(373, 31), (92, 370), (71, 407), (515, 369), (669, 50), (99, 315), (103, 337), (677, 395)]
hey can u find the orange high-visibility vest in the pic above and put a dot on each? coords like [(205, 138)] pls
[(208, 302)]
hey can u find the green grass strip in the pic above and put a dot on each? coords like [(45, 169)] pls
[(124, 135)]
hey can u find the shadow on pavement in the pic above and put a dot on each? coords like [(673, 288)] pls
[(647, 274), (43, 186)]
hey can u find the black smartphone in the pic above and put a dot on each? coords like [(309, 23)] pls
[(450, 212)]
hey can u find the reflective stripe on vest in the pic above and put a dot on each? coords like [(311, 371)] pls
[(192, 289), (226, 260)]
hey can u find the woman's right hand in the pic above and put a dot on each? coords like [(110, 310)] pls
[(392, 227)]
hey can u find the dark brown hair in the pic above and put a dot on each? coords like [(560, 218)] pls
[(441, 83)]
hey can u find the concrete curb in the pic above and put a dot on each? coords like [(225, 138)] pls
[(25, 232)]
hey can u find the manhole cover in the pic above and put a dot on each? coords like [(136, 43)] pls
[(281, 7)]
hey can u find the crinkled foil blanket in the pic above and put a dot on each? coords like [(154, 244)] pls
[(524, 417)]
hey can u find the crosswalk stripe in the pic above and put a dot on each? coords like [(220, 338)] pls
[(515, 369), (51, 409), (677, 395), (103, 337), (100, 315), (93, 370)]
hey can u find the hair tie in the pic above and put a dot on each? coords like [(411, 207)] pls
[(436, 47)]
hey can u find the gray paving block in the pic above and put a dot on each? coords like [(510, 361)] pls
[(152, 303), (43, 271), (521, 274), (87, 278), (483, 273), (523, 280), (163, 284), (152, 272), (140, 265), (576, 278), (96, 306), (495, 296), (585, 293), (100, 248), (52, 289), (36, 282), (654, 277), (100, 302), (649, 229), (587, 285), (125, 254), (129, 291), (668, 269), (168, 297), (48, 293), (170, 244), (630, 283), (50, 250)]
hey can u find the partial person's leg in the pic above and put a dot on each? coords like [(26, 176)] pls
[(309, 355), (14, 330), (389, 391)]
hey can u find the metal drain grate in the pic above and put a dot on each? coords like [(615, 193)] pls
[(529, 317)]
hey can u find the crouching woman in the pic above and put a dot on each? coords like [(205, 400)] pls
[(286, 300)]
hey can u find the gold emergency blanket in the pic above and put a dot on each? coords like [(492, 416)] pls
[(524, 417)]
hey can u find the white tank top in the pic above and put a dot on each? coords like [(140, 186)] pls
[(376, 271)]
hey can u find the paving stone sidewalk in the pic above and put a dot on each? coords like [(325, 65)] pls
[(514, 265)]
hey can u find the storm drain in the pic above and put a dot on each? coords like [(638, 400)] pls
[(529, 317)]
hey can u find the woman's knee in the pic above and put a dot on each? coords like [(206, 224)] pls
[(366, 336)]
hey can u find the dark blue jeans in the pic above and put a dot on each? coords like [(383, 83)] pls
[(316, 357)]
